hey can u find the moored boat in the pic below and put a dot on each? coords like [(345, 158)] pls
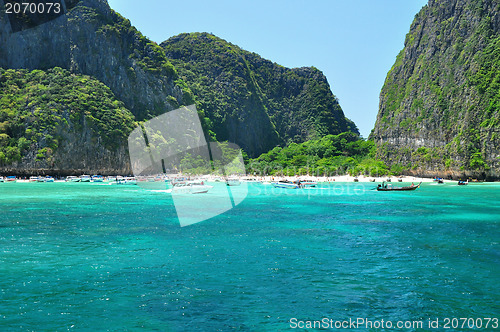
[(85, 178), (308, 184), (40, 179), (389, 187), (1, 179), (179, 179), (110, 179), (438, 180), (49, 179), (126, 180), (11, 178), (286, 185), (97, 178), (191, 187), (72, 178), (33, 179), (463, 183)]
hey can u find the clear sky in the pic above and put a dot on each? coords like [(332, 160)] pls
[(354, 42)]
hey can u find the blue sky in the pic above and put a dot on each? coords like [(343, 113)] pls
[(354, 42)]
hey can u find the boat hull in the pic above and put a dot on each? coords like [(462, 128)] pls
[(390, 188), (398, 189), (285, 185), (188, 189)]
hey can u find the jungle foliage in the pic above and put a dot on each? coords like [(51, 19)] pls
[(38, 108)]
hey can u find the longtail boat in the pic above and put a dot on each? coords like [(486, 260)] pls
[(386, 187)]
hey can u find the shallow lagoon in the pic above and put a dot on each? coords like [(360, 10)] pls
[(90, 256)]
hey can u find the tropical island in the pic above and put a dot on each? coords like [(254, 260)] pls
[(69, 107), (297, 221)]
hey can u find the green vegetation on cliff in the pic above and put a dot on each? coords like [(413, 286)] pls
[(92, 39), (252, 101), (240, 97), (328, 156), (39, 108), (487, 82), (442, 93), (147, 54)]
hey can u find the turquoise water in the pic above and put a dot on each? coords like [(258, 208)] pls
[(100, 257)]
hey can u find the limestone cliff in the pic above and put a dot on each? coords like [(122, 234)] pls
[(94, 40), (439, 108), (55, 122), (253, 101), (104, 77)]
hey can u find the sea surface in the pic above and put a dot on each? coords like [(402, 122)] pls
[(78, 256)]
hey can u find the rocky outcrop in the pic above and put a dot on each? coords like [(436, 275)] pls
[(240, 96), (92, 39), (253, 101), (80, 153), (54, 122), (439, 107)]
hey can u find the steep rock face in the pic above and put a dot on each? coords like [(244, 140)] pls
[(92, 39), (80, 152), (439, 108), (54, 122), (252, 101), (241, 97)]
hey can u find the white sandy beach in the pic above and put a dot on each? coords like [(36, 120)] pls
[(343, 178)]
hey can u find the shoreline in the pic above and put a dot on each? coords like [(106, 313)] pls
[(318, 179), (348, 178)]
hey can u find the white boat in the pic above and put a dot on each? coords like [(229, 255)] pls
[(33, 179), (85, 178), (178, 180), (72, 178), (233, 182), (40, 179), (190, 187), (126, 180), (49, 179), (1, 179), (97, 178), (287, 185)]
